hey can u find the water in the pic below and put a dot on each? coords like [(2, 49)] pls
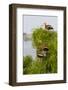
[(28, 49)]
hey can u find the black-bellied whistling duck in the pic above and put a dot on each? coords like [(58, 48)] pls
[(46, 26)]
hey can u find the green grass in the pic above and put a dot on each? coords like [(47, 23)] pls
[(47, 64)]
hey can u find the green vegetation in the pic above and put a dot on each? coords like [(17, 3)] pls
[(48, 64), (27, 62)]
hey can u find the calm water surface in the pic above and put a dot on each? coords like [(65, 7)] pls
[(28, 49)]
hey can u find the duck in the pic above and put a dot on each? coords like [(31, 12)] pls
[(47, 26)]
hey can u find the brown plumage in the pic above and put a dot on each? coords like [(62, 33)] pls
[(49, 27)]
